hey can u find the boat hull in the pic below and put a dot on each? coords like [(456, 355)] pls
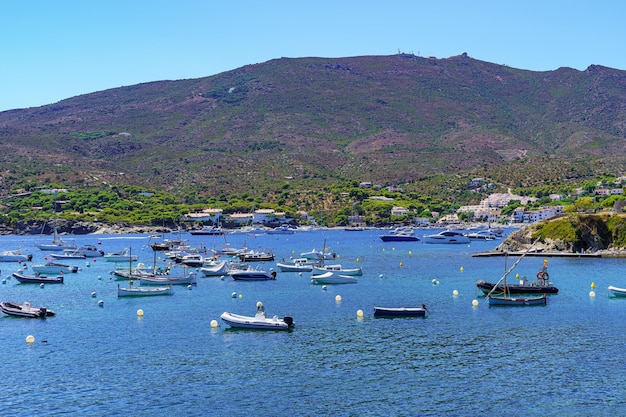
[(332, 278), (258, 322), (517, 301), (24, 310), (143, 291), (487, 287), (617, 292), (396, 238), (252, 276), (399, 312), (37, 279)]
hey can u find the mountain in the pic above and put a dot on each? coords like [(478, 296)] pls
[(396, 119)]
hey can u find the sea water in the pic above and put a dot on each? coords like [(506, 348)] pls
[(562, 359)]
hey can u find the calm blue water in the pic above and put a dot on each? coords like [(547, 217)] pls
[(563, 359)]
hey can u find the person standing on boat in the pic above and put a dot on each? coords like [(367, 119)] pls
[(260, 309)]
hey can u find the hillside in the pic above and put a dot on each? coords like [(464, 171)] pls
[(399, 119)]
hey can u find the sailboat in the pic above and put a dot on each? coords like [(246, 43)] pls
[(57, 245), (505, 298), (138, 291)]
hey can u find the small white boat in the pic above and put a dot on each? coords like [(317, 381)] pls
[(189, 279), (53, 268), (617, 292), (24, 310), (281, 230), (14, 256), (295, 265), (338, 269), (259, 321), (482, 235), (447, 236), (251, 274), (91, 251), (215, 269), (138, 291), (333, 278), (317, 255), (68, 254), (121, 256)]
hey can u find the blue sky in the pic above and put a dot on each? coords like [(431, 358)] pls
[(52, 50)]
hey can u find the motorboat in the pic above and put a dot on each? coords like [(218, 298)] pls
[(37, 279), (121, 256), (403, 234), (189, 279), (524, 286), (139, 291), (447, 236), (400, 311), (251, 274), (256, 256), (207, 231), (338, 269), (281, 230), (482, 235), (24, 310), (15, 256), (333, 278), (194, 260), (215, 269), (617, 291), (68, 254), (295, 265), (505, 300), (53, 268), (318, 255), (259, 321), (91, 251)]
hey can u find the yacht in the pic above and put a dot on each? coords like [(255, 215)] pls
[(447, 236)]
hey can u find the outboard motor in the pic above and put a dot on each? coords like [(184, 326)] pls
[(288, 320)]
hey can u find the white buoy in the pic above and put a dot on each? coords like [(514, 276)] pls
[(455, 293), (338, 298), (30, 339), (475, 303), (87, 264), (380, 275), (324, 288), (434, 281), (189, 286), (214, 324), (41, 285), (93, 294), (592, 294), (140, 313), (100, 303), (234, 295), (359, 314)]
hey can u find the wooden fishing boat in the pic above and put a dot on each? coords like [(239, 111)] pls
[(24, 310), (138, 291)]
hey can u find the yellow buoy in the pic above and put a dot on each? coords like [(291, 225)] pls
[(214, 324), (410, 252), (593, 285), (359, 313), (30, 339), (401, 264), (140, 313), (592, 294), (240, 295), (462, 269), (455, 293), (338, 298), (475, 303), (517, 275)]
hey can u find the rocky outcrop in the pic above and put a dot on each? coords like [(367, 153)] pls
[(69, 227)]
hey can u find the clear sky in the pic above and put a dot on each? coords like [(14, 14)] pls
[(57, 49)]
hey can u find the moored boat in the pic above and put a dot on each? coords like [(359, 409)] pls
[(506, 300), (138, 291), (215, 269), (251, 274), (333, 278), (15, 256), (400, 311), (524, 286), (617, 291), (37, 279), (295, 265), (447, 236), (53, 268), (24, 310), (258, 322), (403, 234), (337, 269)]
